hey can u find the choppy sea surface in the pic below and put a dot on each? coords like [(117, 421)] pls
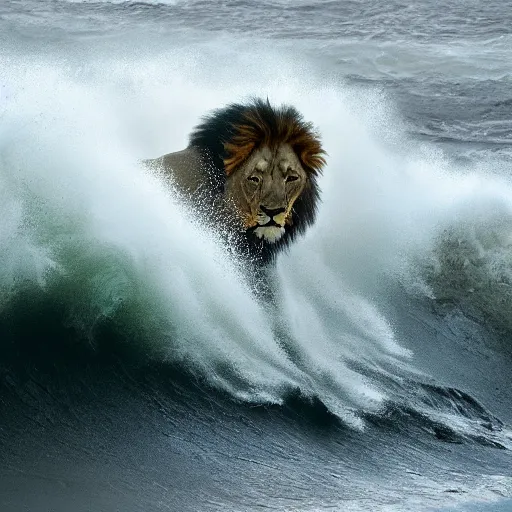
[(138, 372)]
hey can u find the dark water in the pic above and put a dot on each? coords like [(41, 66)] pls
[(137, 369)]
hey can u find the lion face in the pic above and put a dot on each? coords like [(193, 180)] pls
[(263, 190)]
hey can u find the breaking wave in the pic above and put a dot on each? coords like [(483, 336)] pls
[(92, 243)]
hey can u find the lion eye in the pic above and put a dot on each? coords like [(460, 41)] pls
[(254, 179), (292, 177)]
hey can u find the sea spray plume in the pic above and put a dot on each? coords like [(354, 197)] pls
[(128, 254)]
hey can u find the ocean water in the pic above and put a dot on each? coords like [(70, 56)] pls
[(139, 372)]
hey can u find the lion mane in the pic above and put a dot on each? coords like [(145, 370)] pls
[(224, 142)]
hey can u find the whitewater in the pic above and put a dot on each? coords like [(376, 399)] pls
[(138, 368)]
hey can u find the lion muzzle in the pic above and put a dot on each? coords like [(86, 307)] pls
[(276, 215), (270, 224)]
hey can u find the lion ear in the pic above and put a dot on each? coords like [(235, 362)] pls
[(237, 154), (311, 153), (314, 162)]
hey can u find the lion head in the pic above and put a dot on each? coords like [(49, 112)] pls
[(265, 162)]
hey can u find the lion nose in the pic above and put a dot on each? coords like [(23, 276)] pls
[(272, 212)]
